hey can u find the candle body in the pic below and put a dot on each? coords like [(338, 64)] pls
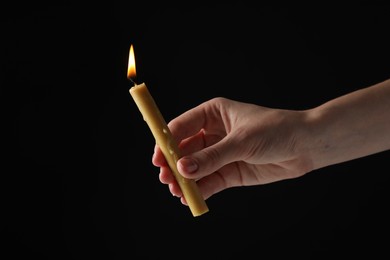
[(163, 136)]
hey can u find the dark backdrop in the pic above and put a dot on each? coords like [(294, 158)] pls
[(77, 180)]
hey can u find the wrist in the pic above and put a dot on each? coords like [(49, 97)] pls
[(314, 141)]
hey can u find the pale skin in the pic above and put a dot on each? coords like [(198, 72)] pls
[(225, 143)]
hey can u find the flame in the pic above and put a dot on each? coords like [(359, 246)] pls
[(131, 72)]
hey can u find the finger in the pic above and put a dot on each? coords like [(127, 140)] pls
[(197, 142), (208, 160), (227, 177), (166, 176), (175, 189), (192, 121), (158, 158), (217, 182)]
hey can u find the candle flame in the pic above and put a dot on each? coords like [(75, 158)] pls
[(131, 72)]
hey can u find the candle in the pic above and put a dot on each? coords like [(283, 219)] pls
[(164, 139)]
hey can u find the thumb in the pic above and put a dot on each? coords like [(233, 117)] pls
[(208, 160)]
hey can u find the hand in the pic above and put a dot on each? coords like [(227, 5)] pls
[(226, 143)]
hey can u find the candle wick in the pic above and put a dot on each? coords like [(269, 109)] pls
[(132, 81)]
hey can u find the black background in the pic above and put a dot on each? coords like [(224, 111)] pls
[(77, 180)]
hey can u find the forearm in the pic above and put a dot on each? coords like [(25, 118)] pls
[(351, 126)]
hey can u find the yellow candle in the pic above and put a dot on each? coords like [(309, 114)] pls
[(164, 139)]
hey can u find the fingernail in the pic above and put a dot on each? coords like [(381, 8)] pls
[(188, 165)]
